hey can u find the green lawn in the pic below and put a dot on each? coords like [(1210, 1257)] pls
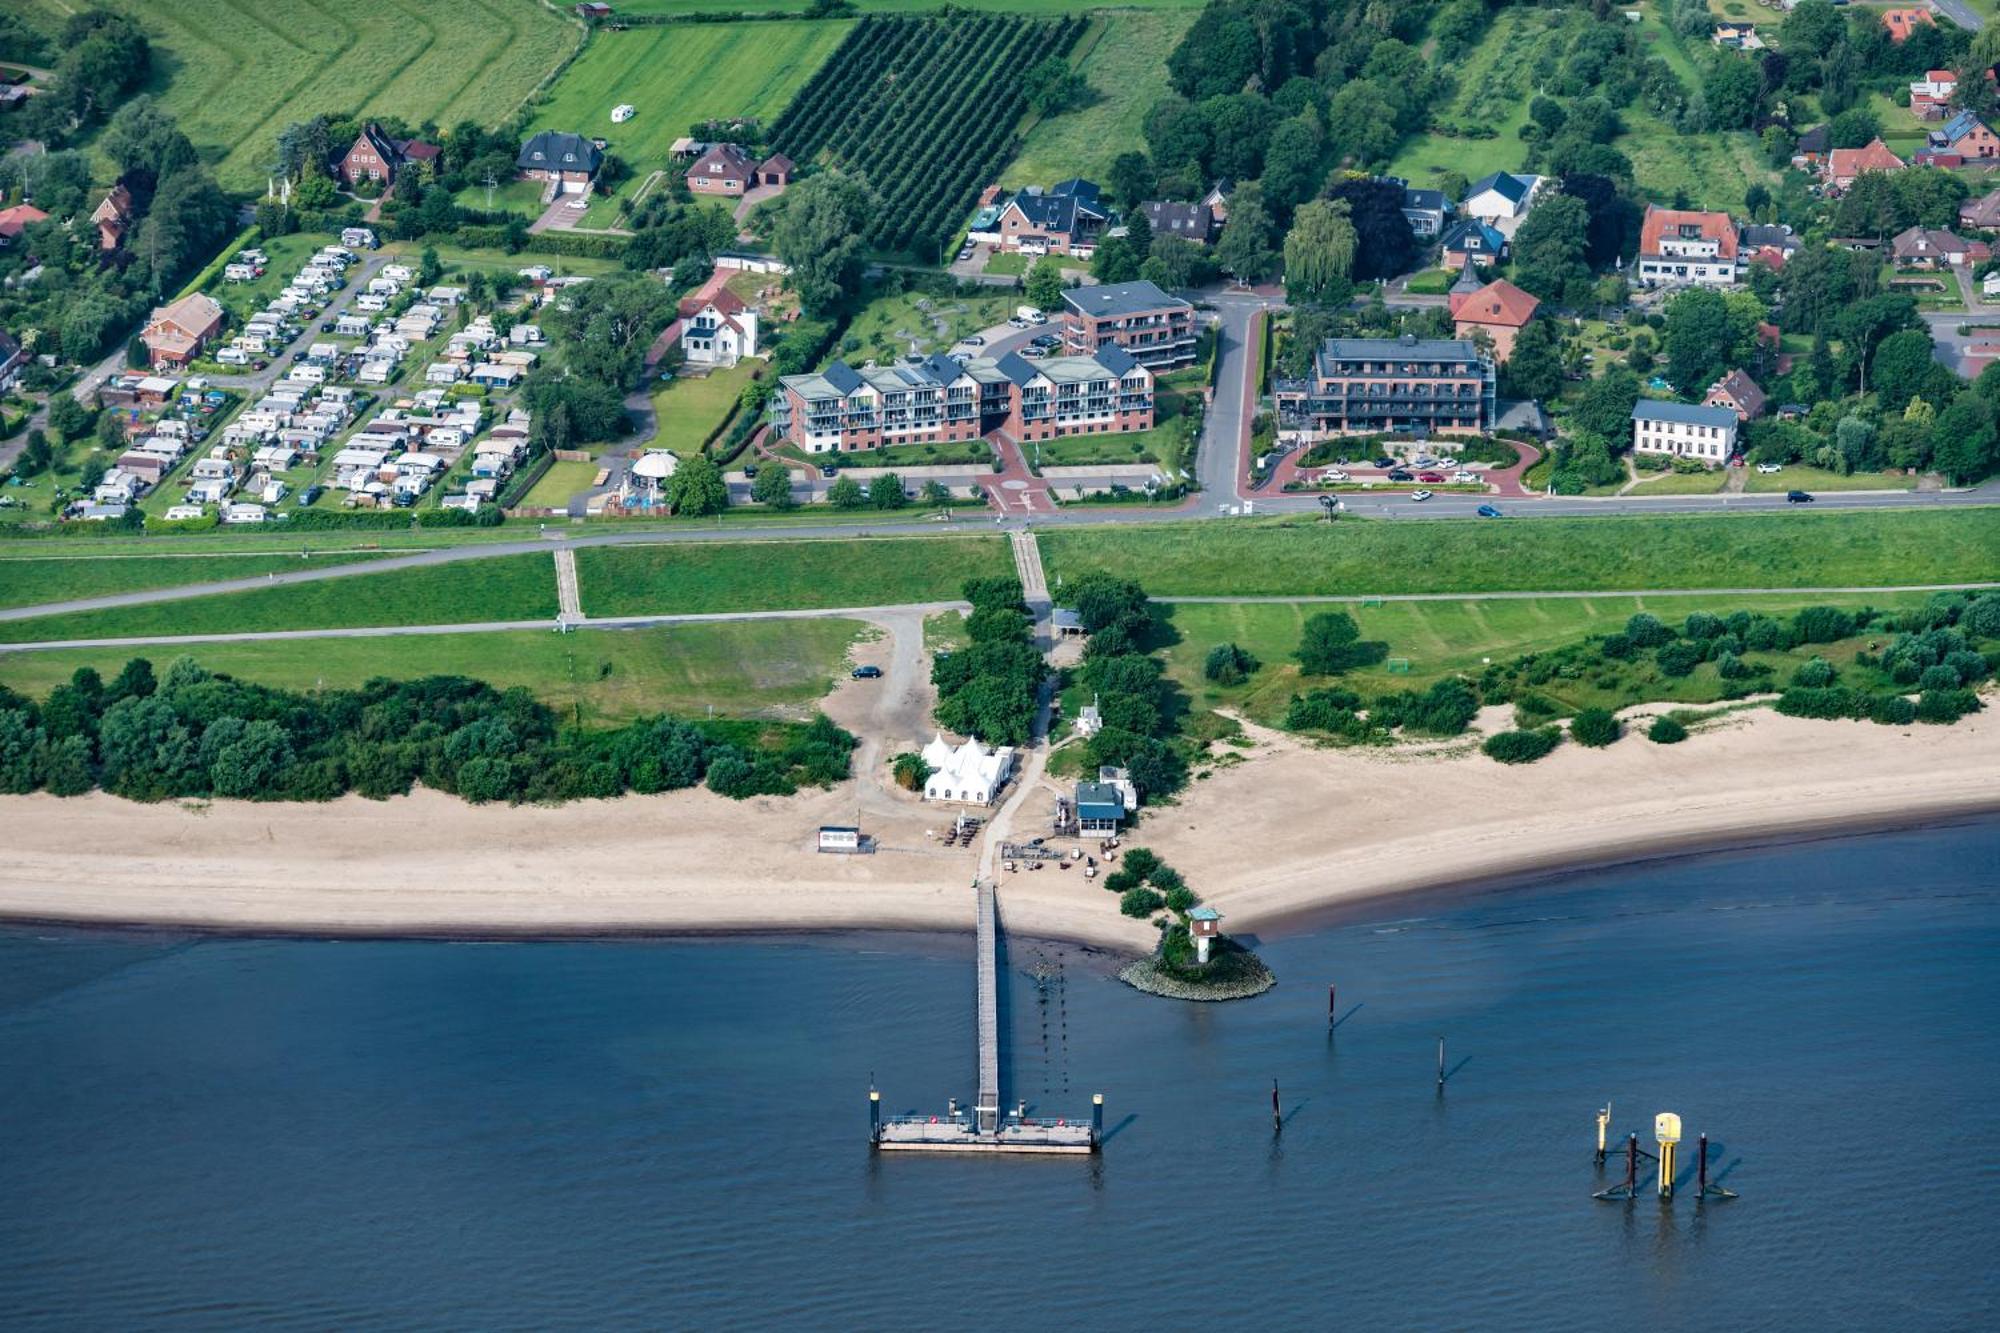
[(288, 254), (511, 196), (678, 75), (690, 578), (1775, 550), (33, 581), (233, 74), (1011, 263), (1164, 444), (1799, 477), (558, 484), (1443, 638), (1124, 60), (510, 587), (889, 327), (1714, 169), (1494, 87), (1709, 482), (596, 678), (691, 406)]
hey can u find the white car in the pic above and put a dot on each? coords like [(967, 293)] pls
[(579, 202), (1463, 476), (1017, 323), (1420, 495), (1333, 474), (1768, 468)]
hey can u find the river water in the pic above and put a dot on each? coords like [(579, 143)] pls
[(238, 1133)]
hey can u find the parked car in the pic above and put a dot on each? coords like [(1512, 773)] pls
[(964, 253), (1462, 476), (1420, 495), (1333, 474), (750, 470), (1400, 475), (975, 340), (866, 673), (307, 497), (1385, 462), (1430, 478), (1488, 511), (829, 471), (1051, 339), (1768, 468), (1798, 497), (1017, 323), (1034, 353)]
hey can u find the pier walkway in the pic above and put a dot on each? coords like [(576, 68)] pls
[(988, 1105)]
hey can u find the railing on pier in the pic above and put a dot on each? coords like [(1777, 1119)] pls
[(988, 1104)]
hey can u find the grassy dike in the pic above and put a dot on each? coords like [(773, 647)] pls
[(1360, 557)]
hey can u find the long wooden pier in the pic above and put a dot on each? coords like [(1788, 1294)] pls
[(988, 1130)]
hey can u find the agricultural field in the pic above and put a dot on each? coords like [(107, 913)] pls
[(593, 679), (678, 7), (237, 73), (510, 587), (690, 578), (1849, 548), (1124, 58), (691, 407), (677, 75), (940, 125)]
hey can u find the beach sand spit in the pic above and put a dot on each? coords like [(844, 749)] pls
[(1289, 831)]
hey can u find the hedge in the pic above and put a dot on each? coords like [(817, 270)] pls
[(1521, 747)]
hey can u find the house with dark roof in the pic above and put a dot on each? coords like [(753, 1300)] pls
[(1065, 219), (928, 400), (1983, 212), (1425, 210), (1681, 247), (1408, 386), (1190, 222), (1684, 430), (1770, 244), (1154, 328), (377, 157), (725, 170), (1964, 138), (1739, 393), (567, 162), (1499, 309), (1471, 242), (1502, 200), (777, 169), (1809, 154), (1927, 247)]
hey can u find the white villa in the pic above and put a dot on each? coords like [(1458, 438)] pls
[(971, 774)]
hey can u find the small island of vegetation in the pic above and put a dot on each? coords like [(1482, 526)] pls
[(1148, 887)]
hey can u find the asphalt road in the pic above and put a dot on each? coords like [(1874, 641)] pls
[(1960, 13)]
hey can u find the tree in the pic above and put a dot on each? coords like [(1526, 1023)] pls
[(1731, 88), (1550, 247), (1319, 252), (1130, 179), (1116, 260), (1605, 407), (845, 493), (816, 228), (1244, 250), (773, 486), (1613, 218), (1902, 365), (1534, 368), (936, 492), (1292, 163), (1855, 127), (1698, 339), (68, 418), (1227, 664), (1384, 247), (1330, 643), (1045, 284), (1666, 731), (697, 489), (429, 267), (1964, 445), (1177, 262), (1595, 727), (1052, 87), (886, 491)]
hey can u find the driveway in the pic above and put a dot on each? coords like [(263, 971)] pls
[(559, 216)]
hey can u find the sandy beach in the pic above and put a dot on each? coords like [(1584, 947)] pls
[(1287, 832)]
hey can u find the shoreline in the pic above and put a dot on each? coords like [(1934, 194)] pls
[(1337, 832)]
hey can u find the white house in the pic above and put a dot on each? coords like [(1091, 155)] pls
[(971, 774), (1684, 430), (1678, 247), (1501, 200), (719, 330)]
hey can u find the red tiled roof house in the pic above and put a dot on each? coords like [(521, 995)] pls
[(176, 334), (1499, 309)]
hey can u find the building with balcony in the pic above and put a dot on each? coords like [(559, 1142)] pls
[(1155, 329), (934, 400), (1681, 248), (1407, 385)]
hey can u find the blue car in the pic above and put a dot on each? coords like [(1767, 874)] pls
[(1488, 511)]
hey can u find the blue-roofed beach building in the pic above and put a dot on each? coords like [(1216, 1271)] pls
[(1684, 430)]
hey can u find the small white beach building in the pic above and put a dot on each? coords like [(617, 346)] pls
[(969, 774)]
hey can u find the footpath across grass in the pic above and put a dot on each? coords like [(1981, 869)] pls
[(591, 678), (33, 581), (1247, 558), (508, 587), (692, 579)]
